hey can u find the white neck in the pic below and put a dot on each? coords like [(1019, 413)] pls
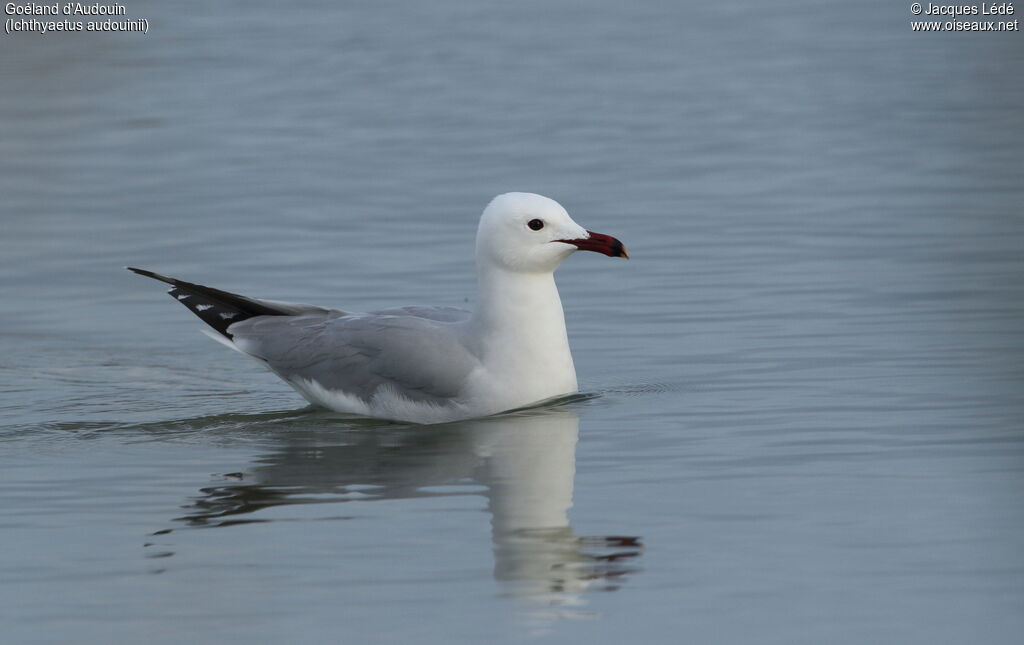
[(521, 329)]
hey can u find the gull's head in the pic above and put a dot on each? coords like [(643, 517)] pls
[(532, 233)]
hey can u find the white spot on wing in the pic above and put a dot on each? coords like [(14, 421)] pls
[(203, 307), (228, 316), (183, 296)]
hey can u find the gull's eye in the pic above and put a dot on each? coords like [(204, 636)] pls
[(535, 224)]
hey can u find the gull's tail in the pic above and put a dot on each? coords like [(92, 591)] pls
[(218, 309)]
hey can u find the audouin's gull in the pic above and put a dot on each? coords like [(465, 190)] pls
[(426, 364)]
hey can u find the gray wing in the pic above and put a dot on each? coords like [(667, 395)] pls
[(441, 314), (423, 359)]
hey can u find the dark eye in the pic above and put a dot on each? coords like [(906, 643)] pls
[(535, 224)]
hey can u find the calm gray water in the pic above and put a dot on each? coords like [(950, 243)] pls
[(805, 420)]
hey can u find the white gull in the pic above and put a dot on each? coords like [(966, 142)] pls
[(426, 364)]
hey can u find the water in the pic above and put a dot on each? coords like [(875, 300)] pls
[(805, 411)]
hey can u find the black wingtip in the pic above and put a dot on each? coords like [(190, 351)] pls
[(218, 309), (150, 274)]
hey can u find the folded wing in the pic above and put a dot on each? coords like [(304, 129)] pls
[(420, 357)]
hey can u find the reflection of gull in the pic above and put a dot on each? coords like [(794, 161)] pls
[(525, 461), (529, 474)]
